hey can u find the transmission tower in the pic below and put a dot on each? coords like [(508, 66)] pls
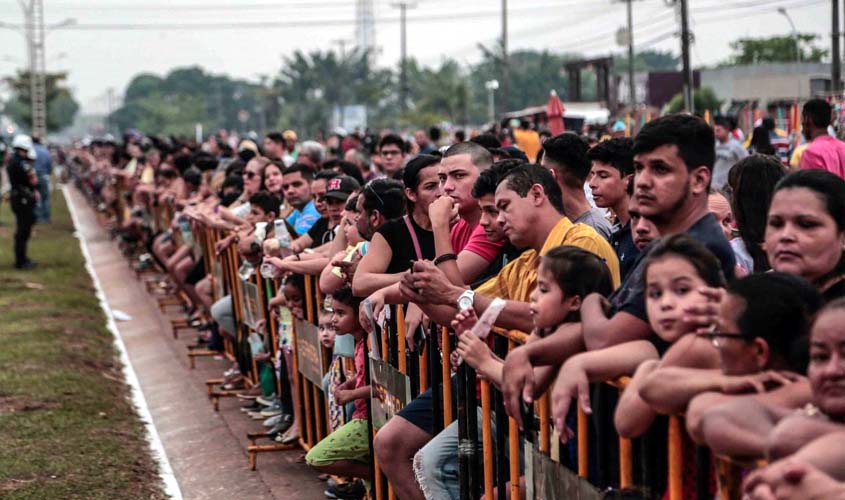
[(34, 13), (365, 28)]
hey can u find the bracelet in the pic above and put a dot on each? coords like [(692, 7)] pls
[(445, 257)]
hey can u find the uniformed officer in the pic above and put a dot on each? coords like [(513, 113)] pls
[(23, 182)]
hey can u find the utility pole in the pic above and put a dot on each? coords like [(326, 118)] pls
[(836, 63), (403, 74), (110, 106), (505, 62), (632, 91), (689, 105)]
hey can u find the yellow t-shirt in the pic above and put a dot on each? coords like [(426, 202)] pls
[(517, 280), (795, 161), (529, 142)]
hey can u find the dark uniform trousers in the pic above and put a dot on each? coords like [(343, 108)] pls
[(23, 207)]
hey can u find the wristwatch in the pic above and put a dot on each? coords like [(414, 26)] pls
[(465, 300)]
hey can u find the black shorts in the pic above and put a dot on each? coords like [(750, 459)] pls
[(197, 272), (419, 411)]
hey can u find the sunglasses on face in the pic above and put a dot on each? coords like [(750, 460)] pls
[(249, 174)]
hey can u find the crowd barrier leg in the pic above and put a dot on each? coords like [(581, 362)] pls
[(447, 376), (675, 459), (487, 438), (583, 451), (513, 446), (435, 375), (730, 480)]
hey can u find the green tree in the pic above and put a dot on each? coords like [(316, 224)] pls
[(437, 94), (310, 86), (703, 98), (61, 106), (184, 97), (776, 49), (532, 75)]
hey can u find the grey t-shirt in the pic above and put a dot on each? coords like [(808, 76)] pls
[(727, 154), (595, 218)]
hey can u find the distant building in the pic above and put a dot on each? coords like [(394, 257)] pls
[(655, 88), (766, 83)]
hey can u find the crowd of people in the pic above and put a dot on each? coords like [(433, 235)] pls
[(710, 275)]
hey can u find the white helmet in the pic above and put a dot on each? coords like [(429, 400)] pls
[(24, 142)]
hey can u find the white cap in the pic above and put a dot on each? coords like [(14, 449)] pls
[(24, 142)]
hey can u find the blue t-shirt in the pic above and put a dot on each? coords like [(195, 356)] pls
[(630, 297), (623, 244), (302, 220)]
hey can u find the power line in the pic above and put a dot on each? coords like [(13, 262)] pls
[(264, 24)]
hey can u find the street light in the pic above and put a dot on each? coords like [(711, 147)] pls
[(492, 86), (784, 13)]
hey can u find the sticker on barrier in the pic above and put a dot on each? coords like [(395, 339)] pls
[(308, 353), (251, 304), (390, 391)]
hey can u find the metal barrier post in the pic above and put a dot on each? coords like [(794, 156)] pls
[(675, 459)]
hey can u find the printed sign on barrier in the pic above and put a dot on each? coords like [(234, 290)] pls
[(219, 281), (390, 391), (548, 480), (309, 354)]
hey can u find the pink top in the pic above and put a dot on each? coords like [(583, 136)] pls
[(825, 153)]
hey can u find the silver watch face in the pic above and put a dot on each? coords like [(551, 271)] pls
[(464, 303)]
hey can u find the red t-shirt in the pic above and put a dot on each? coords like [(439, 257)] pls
[(480, 245), (471, 237), (460, 234), (360, 378)]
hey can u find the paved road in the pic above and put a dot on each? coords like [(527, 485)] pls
[(206, 449)]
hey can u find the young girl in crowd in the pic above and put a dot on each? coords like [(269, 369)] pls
[(344, 263), (760, 335), (565, 276), (676, 269)]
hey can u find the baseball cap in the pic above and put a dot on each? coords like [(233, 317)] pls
[(341, 187)]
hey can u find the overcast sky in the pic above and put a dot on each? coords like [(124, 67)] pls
[(113, 40)]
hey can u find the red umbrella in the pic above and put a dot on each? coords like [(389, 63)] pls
[(554, 112)]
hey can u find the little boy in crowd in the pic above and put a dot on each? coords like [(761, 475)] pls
[(346, 451)]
